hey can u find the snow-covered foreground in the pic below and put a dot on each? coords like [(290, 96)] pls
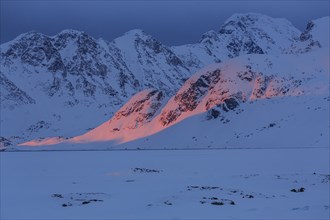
[(194, 184)]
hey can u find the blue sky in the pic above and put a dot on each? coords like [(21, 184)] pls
[(172, 22)]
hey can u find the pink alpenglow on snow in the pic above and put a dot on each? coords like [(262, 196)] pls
[(229, 84)]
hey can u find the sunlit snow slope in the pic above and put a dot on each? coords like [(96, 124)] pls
[(249, 101)]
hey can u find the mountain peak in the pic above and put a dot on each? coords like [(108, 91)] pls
[(248, 20), (210, 34), (133, 35), (70, 33), (317, 30), (29, 35), (250, 15), (251, 18), (257, 33), (136, 33)]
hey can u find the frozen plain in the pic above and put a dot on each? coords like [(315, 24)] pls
[(166, 184)]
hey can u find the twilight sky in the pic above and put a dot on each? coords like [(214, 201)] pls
[(171, 22)]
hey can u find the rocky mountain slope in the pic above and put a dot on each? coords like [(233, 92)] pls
[(68, 84), (222, 98), (240, 34)]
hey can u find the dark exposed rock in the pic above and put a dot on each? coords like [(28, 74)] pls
[(262, 83), (214, 113), (231, 103), (306, 35), (271, 125), (56, 195), (248, 75), (4, 142), (168, 203), (217, 203), (169, 117), (203, 187), (144, 108), (91, 200), (38, 126), (302, 189), (11, 95), (145, 170), (189, 99), (248, 196)]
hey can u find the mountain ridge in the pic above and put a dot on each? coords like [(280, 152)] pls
[(219, 92), (77, 75)]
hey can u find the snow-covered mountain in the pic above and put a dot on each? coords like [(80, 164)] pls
[(240, 34), (68, 84), (233, 99), (59, 80)]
